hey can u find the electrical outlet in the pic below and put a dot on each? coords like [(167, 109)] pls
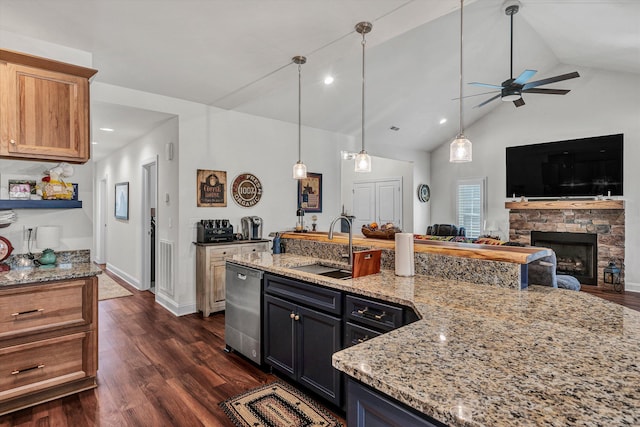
[(25, 232)]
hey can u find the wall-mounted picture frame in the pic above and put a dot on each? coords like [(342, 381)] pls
[(122, 200), (310, 192), (211, 188)]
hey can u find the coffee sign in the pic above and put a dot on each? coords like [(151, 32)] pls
[(246, 190)]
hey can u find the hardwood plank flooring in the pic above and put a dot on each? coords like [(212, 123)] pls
[(156, 369)]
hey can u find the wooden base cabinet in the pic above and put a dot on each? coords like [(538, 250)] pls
[(48, 341), (299, 338), (211, 272), (44, 109)]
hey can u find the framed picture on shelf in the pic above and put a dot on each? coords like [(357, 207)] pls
[(122, 200), (20, 189), (310, 192)]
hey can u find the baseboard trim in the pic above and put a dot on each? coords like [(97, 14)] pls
[(173, 307), (632, 287), (124, 276)]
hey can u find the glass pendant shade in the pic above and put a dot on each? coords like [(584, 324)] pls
[(460, 150), (363, 162), (299, 170)]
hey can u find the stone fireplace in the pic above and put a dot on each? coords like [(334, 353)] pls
[(585, 235)]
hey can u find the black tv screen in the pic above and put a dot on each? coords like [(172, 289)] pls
[(573, 168)]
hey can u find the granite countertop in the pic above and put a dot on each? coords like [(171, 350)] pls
[(489, 356), (29, 275)]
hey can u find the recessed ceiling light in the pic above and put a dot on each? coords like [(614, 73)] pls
[(443, 121), (328, 80), (106, 129)]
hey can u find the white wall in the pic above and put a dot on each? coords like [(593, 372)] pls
[(600, 103)]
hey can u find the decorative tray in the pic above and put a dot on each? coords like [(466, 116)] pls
[(389, 233)]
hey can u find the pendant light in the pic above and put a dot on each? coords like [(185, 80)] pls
[(460, 149), (363, 161), (299, 169)]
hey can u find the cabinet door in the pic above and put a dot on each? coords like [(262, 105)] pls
[(46, 114), (279, 335), (319, 335), (218, 272)]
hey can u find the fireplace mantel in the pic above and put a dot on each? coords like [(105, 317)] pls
[(566, 204)]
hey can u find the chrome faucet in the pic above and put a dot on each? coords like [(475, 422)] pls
[(350, 235)]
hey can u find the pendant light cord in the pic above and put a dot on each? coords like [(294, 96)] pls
[(461, 22), (299, 113), (364, 42)]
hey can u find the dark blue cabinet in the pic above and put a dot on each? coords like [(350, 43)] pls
[(368, 408), (299, 338)]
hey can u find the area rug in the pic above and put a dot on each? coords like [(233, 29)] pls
[(276, 405), (108, 288)]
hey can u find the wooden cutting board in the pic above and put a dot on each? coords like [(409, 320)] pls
[(366, 262)]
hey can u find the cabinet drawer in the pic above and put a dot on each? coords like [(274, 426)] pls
[(41, 364), (380, 316), (219, 254), (33, 309), (356, 334), (258, 247), (310, 295)]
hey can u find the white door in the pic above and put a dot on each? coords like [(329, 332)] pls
[(377, 200), (364, 204)]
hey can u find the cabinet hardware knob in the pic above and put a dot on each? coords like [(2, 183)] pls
[(297, 317), (292, 316), (21, 313), (13, 141), (31, 368)]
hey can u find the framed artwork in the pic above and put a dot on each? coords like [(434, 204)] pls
[(122, 200), (212, 188), (310, 192)]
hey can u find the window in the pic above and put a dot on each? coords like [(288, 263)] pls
[(471, 204)]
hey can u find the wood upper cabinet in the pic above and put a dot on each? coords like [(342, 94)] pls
[(44, 109)]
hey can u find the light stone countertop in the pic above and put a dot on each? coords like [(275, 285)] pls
[(488, 356), (30, 275)]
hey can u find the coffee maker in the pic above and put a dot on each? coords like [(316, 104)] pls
[(251, 227)]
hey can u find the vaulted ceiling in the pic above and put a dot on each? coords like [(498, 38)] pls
[(236, 54)]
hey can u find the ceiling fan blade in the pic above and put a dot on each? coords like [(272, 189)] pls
[(524, 76), (518, 102), (551, 80), (486, 85), (548, 91), (488, 100), (475, 94)]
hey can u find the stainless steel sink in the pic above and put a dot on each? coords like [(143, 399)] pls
[(324, 270)]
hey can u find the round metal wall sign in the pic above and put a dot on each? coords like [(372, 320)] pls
[(246, 190)]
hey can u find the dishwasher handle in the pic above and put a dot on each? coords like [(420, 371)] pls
[(242, 276)]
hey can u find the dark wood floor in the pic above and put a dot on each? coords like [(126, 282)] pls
[(156, 369)]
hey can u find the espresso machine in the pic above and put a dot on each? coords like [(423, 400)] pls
[(251, 227)]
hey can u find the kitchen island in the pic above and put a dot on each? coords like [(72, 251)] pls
[(490, 356), (48, 333)]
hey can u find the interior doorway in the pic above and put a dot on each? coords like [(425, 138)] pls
[(149, 221)]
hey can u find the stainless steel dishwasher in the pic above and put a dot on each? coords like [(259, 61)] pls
[(243, 311)]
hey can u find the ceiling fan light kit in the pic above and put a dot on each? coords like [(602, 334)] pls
[(511, 90)]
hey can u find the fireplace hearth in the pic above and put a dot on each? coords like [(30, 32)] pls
[(576, 253)]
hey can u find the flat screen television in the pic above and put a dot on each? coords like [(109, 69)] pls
[(574, 168)]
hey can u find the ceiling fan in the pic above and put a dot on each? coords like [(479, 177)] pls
[(512, 89)]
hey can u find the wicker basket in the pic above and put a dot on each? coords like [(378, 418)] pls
[(379, 234)]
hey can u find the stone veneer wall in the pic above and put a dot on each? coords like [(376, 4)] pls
[(483, 272), (608, 224)]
